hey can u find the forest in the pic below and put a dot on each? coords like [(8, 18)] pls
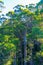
[(21, 37)]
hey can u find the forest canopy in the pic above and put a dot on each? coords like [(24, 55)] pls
[(21, 36)]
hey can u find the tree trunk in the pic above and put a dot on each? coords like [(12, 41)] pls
[(15, 60), (25, 51), (23, 48)]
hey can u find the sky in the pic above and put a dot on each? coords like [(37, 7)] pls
[(9, 4)]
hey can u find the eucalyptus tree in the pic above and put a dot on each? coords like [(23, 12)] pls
[(21, 23)]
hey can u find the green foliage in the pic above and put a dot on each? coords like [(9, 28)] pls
[(13, 31)]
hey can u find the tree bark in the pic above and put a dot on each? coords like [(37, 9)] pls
[(15, 60), (23, 48)]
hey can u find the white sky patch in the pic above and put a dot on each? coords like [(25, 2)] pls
[(9, 4)]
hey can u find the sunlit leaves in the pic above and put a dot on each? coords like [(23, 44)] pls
[(6, 37), (15, 28)]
